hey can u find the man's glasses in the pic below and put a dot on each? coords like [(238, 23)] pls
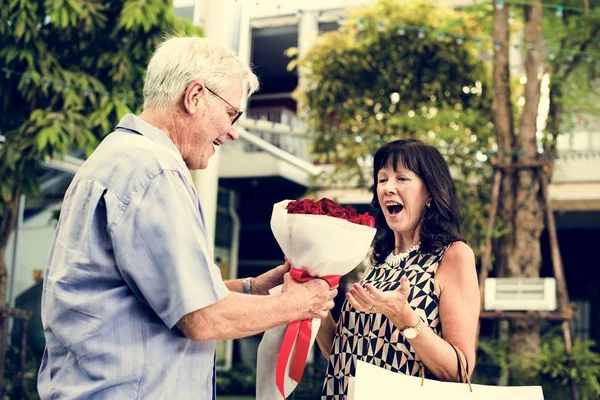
[(238, 112)]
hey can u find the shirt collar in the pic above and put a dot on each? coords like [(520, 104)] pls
[(137, 125)]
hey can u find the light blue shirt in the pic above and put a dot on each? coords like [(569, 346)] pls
[(129, 258)]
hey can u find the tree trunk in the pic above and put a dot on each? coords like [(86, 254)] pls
[(518, 253), (503, 125), (501, 103), (529, 213)]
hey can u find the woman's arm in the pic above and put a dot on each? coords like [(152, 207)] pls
[(326, 335), (456, 279), (329, 326)]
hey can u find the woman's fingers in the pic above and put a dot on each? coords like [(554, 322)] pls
[(374, 292), (404, 287), (361, 294), (354, 303)]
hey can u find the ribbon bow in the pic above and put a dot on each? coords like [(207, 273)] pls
[(301, 330)]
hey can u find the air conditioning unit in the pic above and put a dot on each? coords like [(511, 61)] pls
[(516, 294)]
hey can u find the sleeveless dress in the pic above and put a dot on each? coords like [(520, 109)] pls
[(371, 337)]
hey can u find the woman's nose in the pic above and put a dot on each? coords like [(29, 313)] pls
[(389, 187)]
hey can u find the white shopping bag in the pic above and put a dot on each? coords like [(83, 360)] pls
[(322, 246), (372, 382)]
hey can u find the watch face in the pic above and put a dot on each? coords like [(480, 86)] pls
[(410, 333)]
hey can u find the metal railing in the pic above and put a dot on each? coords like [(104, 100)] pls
[(285, 137)]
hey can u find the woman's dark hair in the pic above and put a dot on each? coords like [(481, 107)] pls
[(440, 225)]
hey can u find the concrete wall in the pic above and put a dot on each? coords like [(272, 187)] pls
[(34, 242)]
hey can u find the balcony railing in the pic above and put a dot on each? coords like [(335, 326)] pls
[(292, 140)]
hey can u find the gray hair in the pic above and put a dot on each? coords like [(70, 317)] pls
[(180, 60)]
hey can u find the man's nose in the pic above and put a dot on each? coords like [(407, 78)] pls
[(233, 133)]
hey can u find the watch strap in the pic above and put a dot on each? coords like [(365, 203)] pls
[(247, 286), (418, 327)]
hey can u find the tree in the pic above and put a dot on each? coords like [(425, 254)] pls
[(70, 70), (572, 65), (521, 210), (397, 70)]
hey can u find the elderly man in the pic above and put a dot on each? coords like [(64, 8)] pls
[(133, 302)]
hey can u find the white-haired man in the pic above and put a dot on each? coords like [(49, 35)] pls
[(133, 302)]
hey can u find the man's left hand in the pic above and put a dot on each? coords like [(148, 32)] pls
[(263, 283)]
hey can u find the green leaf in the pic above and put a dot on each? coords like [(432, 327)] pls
[(43, 137), (20, 28), (100, 55), (6, 192)]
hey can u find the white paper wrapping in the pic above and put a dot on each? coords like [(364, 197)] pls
[(322, 246), (372, 382)]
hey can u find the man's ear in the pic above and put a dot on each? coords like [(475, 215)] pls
[(193, 96)]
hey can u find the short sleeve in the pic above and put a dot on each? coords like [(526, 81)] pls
[(162, 250)]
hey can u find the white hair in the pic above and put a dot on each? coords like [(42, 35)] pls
[(180, 60)]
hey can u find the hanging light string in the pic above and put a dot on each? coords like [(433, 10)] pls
[(460, 39), (401, 29), (362, 26), (563, 155), (559, 9)]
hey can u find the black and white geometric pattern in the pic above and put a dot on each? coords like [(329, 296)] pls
[(372, 337)]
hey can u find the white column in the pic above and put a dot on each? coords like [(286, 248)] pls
[(218, 17), (308, 32), (244, 49), (213, 15)]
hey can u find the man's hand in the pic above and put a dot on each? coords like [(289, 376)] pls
[(312, 299), (267, 281)]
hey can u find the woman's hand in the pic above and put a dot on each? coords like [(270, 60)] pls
[(393, 303)]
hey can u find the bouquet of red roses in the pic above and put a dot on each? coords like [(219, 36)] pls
[(330, 208), (320, 239)]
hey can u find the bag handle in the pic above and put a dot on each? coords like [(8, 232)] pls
[(461, 370)]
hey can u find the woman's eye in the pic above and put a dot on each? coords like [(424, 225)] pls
[(382, 180)]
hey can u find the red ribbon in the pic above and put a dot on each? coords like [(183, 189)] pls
[(300, 330)]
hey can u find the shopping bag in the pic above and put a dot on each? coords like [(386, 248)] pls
[(372, 382)]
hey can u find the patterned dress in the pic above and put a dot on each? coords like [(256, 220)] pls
[(371, 337)]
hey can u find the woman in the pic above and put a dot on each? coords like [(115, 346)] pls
[(416, 308)]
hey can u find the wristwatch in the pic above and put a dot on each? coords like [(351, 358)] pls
[(247, 286), (413, 331)]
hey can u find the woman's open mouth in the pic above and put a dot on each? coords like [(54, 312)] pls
[(394, 208)]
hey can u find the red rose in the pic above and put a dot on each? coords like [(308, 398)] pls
[(296, 207), (314, 208), (355, 220), (332, 208), (326, 204), (305, 206), (367, 220), (350, 212)]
